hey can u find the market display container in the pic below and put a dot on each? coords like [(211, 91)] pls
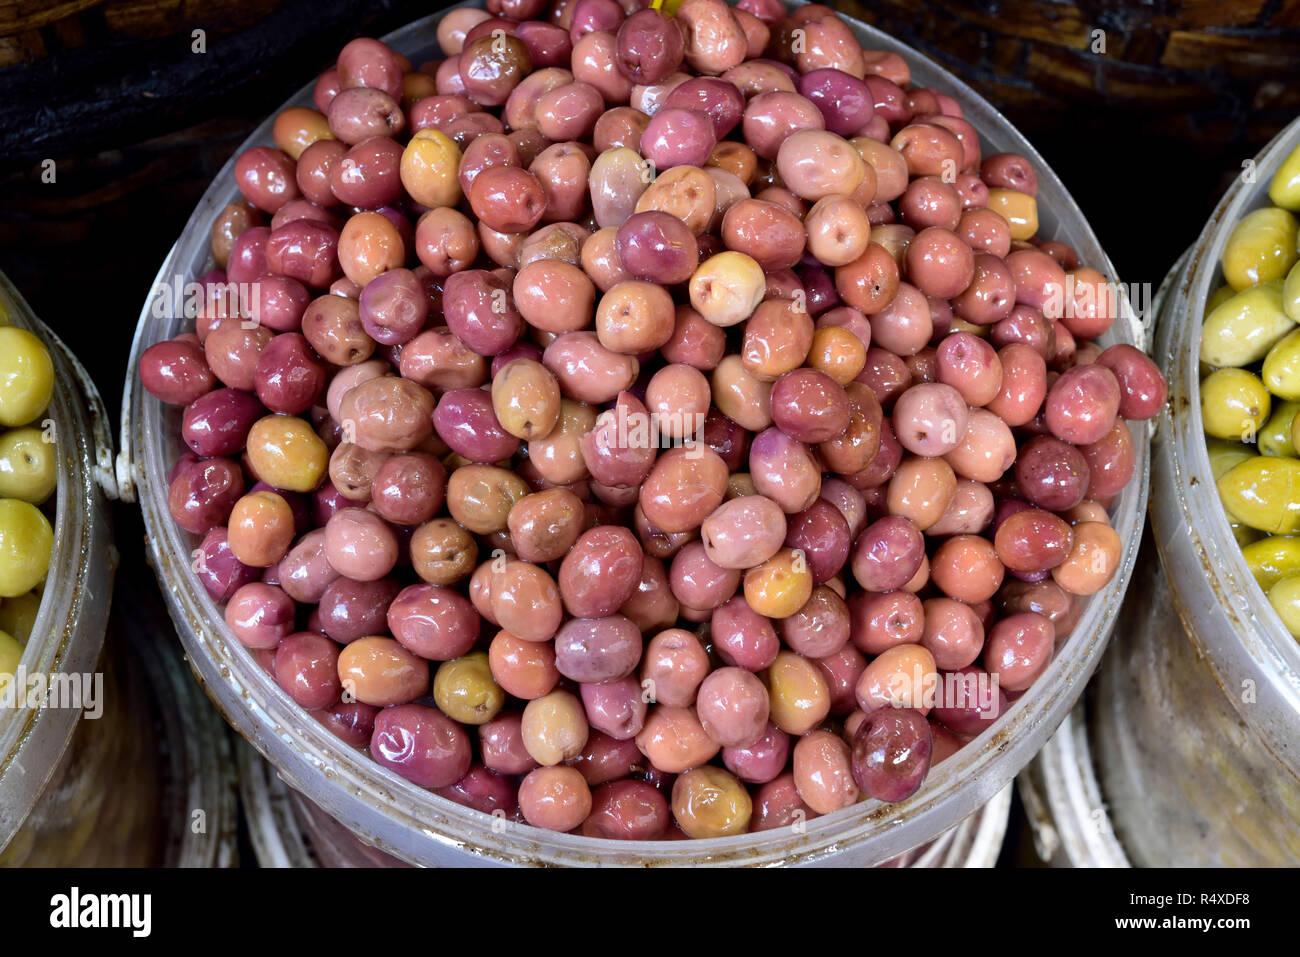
[(1199, 735), (413, 824), (62, 767), (1066, 811), (287, 830), (68, 634)]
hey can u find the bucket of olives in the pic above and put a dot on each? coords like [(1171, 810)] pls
[(426, 562), (287, 829), (1225, 504), (56, 553)]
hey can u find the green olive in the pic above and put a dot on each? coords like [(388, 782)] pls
[(1275, 437), (1234, 404), (1285, 599), (1261, 248), (26, 376), (1244, 535), (1224, 455), (11, 652), (29, 467), (1284, 188), (1218, 298), (1242, 329), (18, 615), (1273, 558), (1291, 294), (1264, 493), (1281, 370), (465, 690), (26, 542)]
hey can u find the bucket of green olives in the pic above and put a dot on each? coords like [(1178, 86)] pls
[(56, 556), (1225, 509)]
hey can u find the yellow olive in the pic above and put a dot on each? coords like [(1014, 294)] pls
[(1285, 599), (465, 690), (480, 497), (781, 585), (11, 653), (1272, 558), (1291, 294), (1020, 210), (1284, 188), (726, 288), (711, 802), (297, 128), (1264, 493), (1261, 248), (26, 376), (26, 543), (18, 615), (1224, 455), (286, 453), (29, 467), (1234, 404), (1218, 298), (1275, 437), (526, 398), (430, 164), (799, 697), (1281, 369), (838, 353), (1242, 329), (1244, 535), (554, 728)]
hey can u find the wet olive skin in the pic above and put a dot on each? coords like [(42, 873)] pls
[(671, 383)]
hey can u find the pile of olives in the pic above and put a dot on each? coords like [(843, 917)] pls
[(454, 301), (28, 477), (1250, 393)]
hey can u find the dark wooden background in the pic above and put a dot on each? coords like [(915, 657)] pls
[(1145, 135)]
